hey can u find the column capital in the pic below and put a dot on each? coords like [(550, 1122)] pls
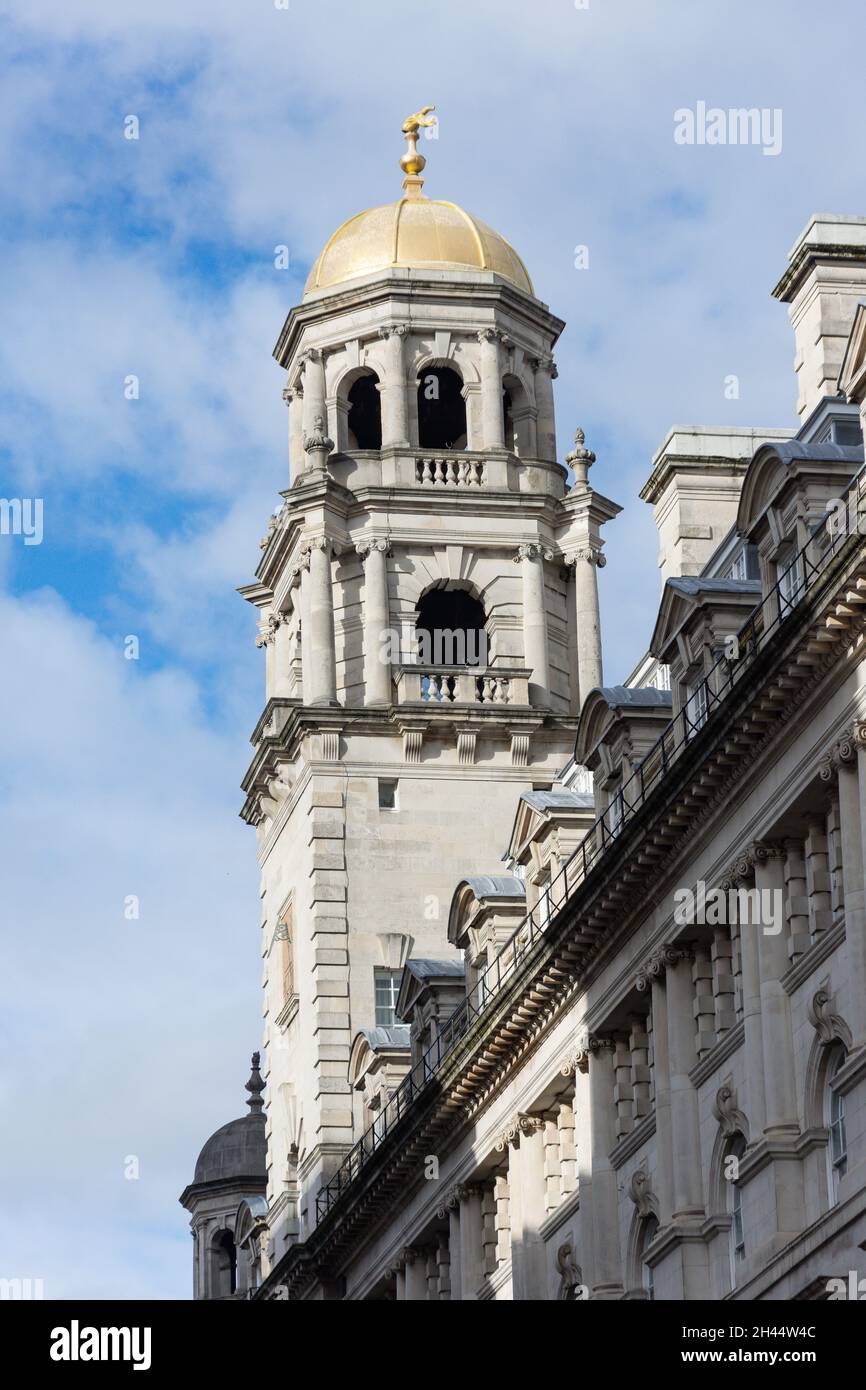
[(490, 335), (844, 752), (465, 1191), (659, 963), (588, 553), (292, 393), (311, 354), (533, 550), (268, 633), (365, 548), (521, 1124), (394, 330), (544, 364)]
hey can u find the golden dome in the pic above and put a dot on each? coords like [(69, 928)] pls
[(415, 233)]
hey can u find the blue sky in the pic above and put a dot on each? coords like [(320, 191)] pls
[(260, 127)]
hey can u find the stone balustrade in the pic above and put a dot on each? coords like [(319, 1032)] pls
[(462, 685), (452, 470)]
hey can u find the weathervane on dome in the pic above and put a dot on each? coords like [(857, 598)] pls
[(412, 162)]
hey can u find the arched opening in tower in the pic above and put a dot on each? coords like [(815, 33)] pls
[(365, 413), (441, 409), (450, 629), (225, 1265), (508, 421)]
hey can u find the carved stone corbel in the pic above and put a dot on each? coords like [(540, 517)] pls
[(731, 1119), (828, 1024)]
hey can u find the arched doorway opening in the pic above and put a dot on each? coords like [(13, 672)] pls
[(441, 409), (365, 413), (450, 629)]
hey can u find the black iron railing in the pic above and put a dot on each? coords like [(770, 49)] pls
[(703, 703)]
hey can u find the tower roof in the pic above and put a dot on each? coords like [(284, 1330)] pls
[(415, 233), (238, 1149)]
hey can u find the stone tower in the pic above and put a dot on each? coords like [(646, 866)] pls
[(229, 1182), (429, 614)]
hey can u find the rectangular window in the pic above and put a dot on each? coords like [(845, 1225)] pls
[(387, 988), (790, 583), (542, 907), (696, 708), (387, 795), (284, 936)]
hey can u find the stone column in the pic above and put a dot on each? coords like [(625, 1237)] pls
[(780, 1092), (307, 656), (492, 414), (451, 1212), (607, 1279), (545, 375), (685, 1126), (753, 1042), (531, 558), (587, 619), (313, 391), (316, 579), (850, 760), (392, 390), (662, 1081), (377, 668), (471, 1230), (526, 1188), (294, 399), (415, 1271)]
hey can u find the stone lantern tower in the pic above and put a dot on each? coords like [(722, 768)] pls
[(429, 614)]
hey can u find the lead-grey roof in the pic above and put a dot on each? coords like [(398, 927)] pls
[(790, 450), (564, 800), (497, 886), (434, 969), (643, 696), (696, 584), (381, 1039), (237, 1150)]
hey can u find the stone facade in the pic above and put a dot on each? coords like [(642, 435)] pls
[(629, 1062)]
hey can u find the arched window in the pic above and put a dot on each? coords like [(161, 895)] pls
[(518, 417), (837, 1150), (224, 1265), (441, 409), (450, 629), (648, 1232), (735, 1152), (365, 413)]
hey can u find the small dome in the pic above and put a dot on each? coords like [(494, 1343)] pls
[(420, 234), (238, 1150)]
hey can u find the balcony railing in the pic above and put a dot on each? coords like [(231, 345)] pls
[(765, 620), (462, 685)]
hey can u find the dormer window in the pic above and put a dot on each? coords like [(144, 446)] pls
[(745, 564)]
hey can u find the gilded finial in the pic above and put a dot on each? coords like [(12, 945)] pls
[(412, 162)]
